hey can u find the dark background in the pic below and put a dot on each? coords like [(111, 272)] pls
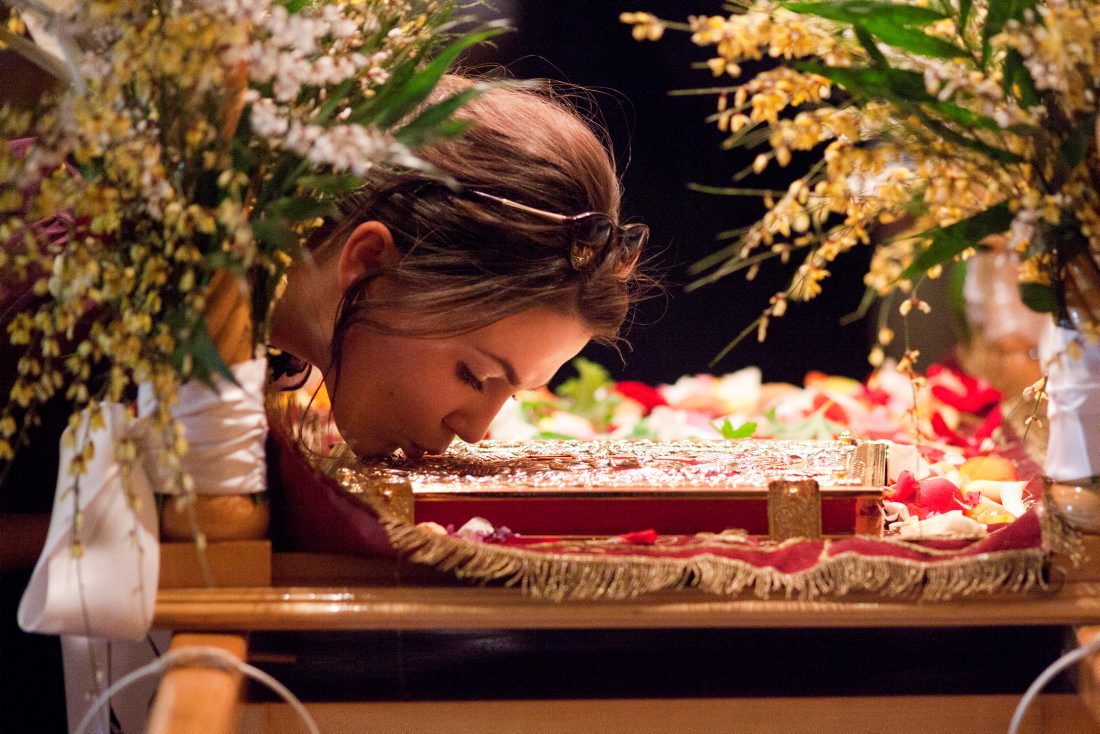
[(662, 143)]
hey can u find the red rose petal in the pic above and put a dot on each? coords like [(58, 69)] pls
[(905, 487), (938, 494), (642, 393), (640, 537), (834, 412)]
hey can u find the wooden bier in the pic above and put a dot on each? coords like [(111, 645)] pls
[(311, 591)]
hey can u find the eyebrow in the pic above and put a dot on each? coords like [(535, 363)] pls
[(509, 370)]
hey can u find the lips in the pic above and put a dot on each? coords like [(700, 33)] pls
[(414, 450)]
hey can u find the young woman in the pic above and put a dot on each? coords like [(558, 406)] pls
[(432, 299), (438, 293), (427, 305)]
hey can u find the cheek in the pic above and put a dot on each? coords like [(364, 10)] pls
[(421, 394), (390, 383)]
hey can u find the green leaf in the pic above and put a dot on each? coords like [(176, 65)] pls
[(964, 14), (947, 242), (1017, 80), (868, 42), (1038, 297), (953, 136), (207, 361), (331, 185), (962, 115), (727, 429), (641, 430), (299, 208), (895, 24), (294, 6), (956, 301), (1000, 12), (582, 390), (1076, 145), (914, 41), (906, 90), (875, 82), (222, 260), (863, 11), (432, 122), (420, 85), (337, 96), (274, 233)]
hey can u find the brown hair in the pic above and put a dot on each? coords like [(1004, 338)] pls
[(466, 262)]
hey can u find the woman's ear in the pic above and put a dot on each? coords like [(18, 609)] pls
[(369, 247)]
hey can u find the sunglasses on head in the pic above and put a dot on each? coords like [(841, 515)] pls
[(592, 235)]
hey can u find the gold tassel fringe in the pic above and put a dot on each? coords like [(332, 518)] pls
[(558, 576)]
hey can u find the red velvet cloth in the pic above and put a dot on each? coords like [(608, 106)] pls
[(799, 555), (310, 512), (313, 513)]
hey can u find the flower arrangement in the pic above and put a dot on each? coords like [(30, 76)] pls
[(966, 484), (945, 122), (967, 480), (186, 142)]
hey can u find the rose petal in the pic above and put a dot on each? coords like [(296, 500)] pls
[(995, 490), (1012, 497), (639, 537), (938, 494), (905, 487), (648, 396), (991, 423), (947, 524)]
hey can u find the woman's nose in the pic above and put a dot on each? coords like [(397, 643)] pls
[(471, 423)]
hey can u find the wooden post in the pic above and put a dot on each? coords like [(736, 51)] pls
[(1088, 673), (199, 699)]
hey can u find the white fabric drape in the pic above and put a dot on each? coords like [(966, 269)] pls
[(1073, 387), (108, 590)]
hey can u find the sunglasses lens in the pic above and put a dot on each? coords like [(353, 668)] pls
[(634, 238), (591, 234), (594, 230)]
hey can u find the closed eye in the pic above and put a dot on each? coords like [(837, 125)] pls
[(466, 375)]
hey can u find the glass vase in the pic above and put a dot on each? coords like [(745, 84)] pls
[(1003, 333)]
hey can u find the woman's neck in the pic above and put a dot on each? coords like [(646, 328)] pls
[(304, 316)]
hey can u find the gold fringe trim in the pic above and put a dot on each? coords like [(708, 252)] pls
[(559, 576), (1059, 538)]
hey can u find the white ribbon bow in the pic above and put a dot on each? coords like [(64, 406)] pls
[(109, 588)]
